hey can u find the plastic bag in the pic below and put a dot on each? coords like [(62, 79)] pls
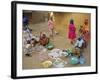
[(82, 60), (59, 63), (74, 60), (49, 46), (47, 64), (55, 53)]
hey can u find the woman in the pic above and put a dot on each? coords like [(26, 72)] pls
[(72, 31), (44, 40), (51, 26), (86, 32)]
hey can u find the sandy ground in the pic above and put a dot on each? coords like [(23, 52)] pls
[(60, 41)]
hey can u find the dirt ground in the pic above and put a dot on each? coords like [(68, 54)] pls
[(60, 41)]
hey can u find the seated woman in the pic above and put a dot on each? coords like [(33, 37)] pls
[(80, 43), (28, 49), (44, 40)]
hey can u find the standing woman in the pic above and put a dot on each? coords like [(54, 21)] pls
[(51, 26), (86, 32), (72, 31), (25, 22)]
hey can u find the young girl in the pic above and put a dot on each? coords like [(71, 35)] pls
[(51, 26), (72, 31)]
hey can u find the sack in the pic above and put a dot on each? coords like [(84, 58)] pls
[(65, 53), (55, 53), (47, 64), (59, 63), (49, 46), (69, 51), (81, 60), (74, 60)]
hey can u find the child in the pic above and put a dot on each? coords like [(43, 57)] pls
[(72, 31), (81, 30), (51, 26), (44, 40)]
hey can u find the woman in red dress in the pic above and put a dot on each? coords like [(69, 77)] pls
[(72, 31)]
